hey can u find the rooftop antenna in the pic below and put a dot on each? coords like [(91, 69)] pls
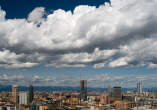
[(31, 81), (80, 74)]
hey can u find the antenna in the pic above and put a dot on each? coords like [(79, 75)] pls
[(31, 81), (80, 74)]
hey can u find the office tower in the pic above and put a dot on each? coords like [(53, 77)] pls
[(109, 91), (35, 107), (117, 92), (15, 94), (31, 93), (83, 91), (139, 88), (109, 94), (23, 98)]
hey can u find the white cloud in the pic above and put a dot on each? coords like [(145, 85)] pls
[(59, 65), (99, 65), (36, 16), (119, 62), (89, 57), (3, 14), (115, 35), (11, 60), (18, 65), (11, 57), (7, 79), (137, 53), (82, 59), (152, 66)]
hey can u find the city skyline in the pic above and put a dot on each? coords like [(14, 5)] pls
[(58, 43)]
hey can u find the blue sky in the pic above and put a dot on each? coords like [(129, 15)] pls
[(59, 42), (21, 9)]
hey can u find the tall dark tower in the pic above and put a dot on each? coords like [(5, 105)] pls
[(31, 93), (83, 89), (117, 92)]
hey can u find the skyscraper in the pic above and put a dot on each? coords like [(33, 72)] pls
[(117, 92), (109, 91), (31, 93), (109, 94), (15, 96), (15, 93), (139, 87), (83, 89)]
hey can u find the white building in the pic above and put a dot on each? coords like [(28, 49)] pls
[(23, 98), (139, 88), (11, 108)]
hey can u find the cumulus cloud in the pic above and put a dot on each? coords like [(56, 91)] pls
[(2, 17), (83, 59), (151, 65), (36, 16), (19, 65), (7, 79), (138, 53), (11, 60), (117, 36), (99, 65)]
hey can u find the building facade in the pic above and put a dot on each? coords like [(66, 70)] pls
[(31, 93), (139, 88), (83, 89), (23, 98), (117, 92), (15, 95)]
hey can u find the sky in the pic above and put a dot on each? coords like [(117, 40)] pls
[(60, 42)]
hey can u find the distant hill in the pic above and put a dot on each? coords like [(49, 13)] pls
[(63, 88), (47, 88)]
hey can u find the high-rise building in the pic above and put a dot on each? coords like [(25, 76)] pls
[(117, 92), (15, 94), (109, 94), (31, 93), (35, 107), (139, 87), (83, 89), (23, 98), (109, 91)]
